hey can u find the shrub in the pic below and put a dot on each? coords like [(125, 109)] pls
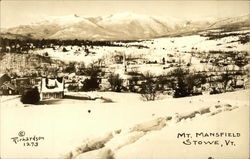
[(183, 82), (244, 39), (30, 96), (70, 68), (162, 81), (72, 88), (149, 87), (181, 89), (194, 80), (178, 84), (91, 84), (115, 82), (92, 70)]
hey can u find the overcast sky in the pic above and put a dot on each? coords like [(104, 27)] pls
[(16, 12)]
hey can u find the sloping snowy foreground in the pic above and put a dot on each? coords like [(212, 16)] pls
[(132, 129)]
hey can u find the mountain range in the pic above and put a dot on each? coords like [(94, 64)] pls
[(122, 26)]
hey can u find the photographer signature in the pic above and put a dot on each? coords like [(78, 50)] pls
[(27, 140)]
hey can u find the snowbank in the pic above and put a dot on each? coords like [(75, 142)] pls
[(133, 129)]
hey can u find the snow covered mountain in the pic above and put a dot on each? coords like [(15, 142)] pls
[(122, 26)]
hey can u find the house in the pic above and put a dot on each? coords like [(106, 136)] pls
[(6, 87), (52, 88), (4, 78)]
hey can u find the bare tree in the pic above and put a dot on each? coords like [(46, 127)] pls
[(115, 82)]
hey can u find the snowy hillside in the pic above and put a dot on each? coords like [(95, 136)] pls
[(134, 129), (122, 26)]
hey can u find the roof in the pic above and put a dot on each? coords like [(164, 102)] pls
[(52, 85), (9, 85), (4, 78)]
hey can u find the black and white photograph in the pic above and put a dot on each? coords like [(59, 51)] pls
[(125, 79)]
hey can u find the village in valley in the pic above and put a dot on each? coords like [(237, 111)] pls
[(125, 66)]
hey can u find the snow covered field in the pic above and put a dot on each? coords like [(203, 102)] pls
[(181, 48), (127, 127)]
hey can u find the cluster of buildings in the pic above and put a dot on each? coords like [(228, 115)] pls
[(48, 87), (219, 58)]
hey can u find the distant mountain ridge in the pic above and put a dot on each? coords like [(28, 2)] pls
[(122, 26)]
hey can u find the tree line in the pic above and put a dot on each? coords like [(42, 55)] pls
[(22, 45)]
